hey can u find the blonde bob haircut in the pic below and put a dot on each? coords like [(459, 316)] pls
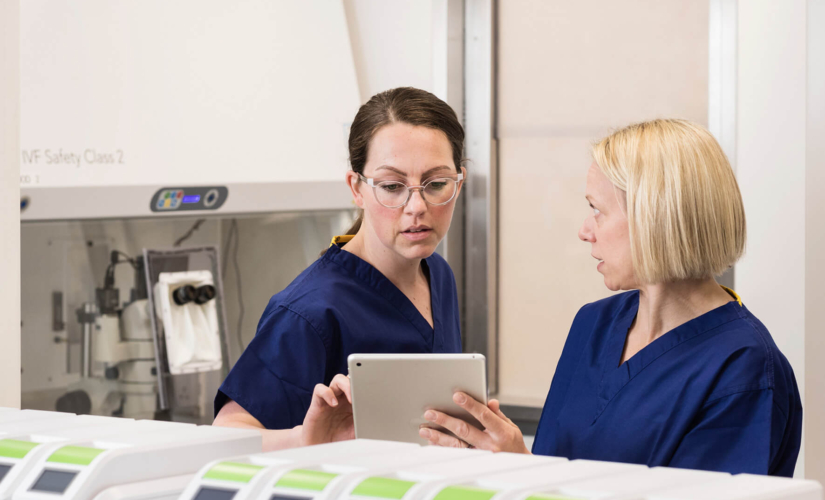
[(684, 209)]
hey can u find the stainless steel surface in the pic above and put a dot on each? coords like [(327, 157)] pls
[(163, 397), (449, 86), (86, 371), (727, 279), (481, 194), (722, 70), (115, 202), (90, 310), (57, 312), (196, 259)]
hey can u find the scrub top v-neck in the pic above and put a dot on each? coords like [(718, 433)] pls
[(338, 306), (714, 393)]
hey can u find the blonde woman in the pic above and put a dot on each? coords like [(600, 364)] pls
[(676, 371)]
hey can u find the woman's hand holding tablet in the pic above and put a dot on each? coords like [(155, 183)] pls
[(330, 416), (499, 434)]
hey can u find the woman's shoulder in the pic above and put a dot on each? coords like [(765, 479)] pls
[(745, 357), (437, 260), (607, 309), (441, 267), (595, 321), (613, 303), (313, 299), (319, 284)]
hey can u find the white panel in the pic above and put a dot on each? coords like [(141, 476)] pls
[(9, 208), (545, 272), (392, 44), (567, 73), (771, 171), (572, 68), (184, 92), (815, 247)]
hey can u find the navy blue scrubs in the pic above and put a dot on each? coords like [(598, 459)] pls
[(714, 393), (338, 306)]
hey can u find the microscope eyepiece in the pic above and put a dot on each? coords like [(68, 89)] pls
[(184, 295), (205, 294)]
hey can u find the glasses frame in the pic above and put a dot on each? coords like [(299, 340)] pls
[(371, 182)]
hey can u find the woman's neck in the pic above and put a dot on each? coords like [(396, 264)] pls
[(664, 306), (402, 272)]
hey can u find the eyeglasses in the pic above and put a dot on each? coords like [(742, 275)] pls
[(394, 194)]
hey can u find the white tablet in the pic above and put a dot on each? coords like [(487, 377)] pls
[(391, 392)]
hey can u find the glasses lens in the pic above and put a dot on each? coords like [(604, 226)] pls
[(440, 191), (391, 194)]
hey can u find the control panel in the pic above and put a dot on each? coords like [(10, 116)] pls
[(189, 198)]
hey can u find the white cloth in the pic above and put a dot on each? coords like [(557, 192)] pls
[(191, 330)]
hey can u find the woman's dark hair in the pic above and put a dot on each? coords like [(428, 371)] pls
[(402, 105)]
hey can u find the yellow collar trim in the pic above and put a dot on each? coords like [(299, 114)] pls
[(344, 238), (732, 294)]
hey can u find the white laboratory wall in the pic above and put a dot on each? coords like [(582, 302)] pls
[(771, 169), (9, 208), (392, 44)]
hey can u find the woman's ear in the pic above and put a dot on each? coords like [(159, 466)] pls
[(354, 183)]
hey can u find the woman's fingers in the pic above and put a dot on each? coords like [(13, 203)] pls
[(341, 385), (437, 438), (495, 405), (491, 422), (325, 394), (462, 430)]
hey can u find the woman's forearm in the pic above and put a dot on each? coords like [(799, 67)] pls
[(233, 415), (273, 439), (279, 439)]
